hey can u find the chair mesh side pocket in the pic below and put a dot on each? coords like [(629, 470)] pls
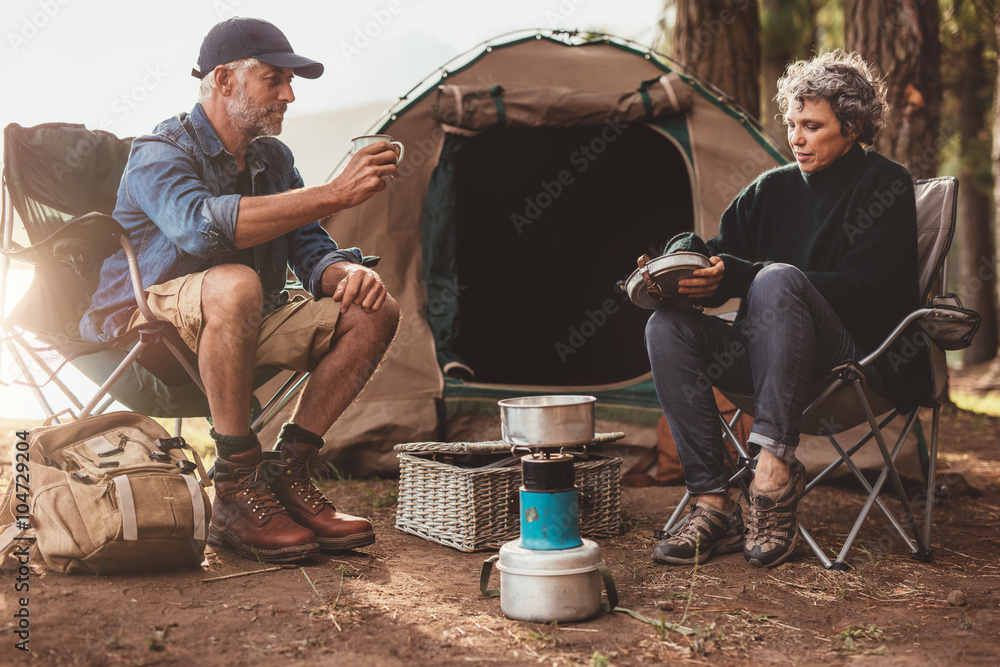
[(949, 325)]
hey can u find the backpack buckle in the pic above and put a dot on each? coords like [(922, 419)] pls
[(166, 444)]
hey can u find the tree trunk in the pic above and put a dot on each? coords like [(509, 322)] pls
[(718, 41), (901, 38), (975, 240), (784, 37), (992, 379)]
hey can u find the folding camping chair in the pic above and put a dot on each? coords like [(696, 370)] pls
[(845, 400), (63, 181)]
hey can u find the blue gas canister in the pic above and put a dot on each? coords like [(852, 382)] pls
[(550, 516)]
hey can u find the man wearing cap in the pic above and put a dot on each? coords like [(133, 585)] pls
[(217, 214)]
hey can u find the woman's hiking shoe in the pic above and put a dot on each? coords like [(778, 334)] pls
[(772, 531), (705, 531)]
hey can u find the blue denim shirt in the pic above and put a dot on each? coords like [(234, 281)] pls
[(178, 204)]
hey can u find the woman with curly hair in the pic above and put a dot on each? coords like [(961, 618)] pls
[(823, 254)]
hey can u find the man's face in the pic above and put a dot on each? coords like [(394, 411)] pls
[(814, 135), (259, 100)]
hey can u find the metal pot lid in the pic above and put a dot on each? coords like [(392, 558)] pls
[(515, 559), (667, 271)]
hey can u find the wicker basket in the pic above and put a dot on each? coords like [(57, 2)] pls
[(473, 508)]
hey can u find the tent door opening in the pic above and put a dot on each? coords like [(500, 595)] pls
[(547, 221)]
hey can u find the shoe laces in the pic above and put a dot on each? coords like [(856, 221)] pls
[(689, 532), (256, 490), (767, 522), (310, 494)]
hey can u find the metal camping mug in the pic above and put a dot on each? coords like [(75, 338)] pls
[(367, 139)]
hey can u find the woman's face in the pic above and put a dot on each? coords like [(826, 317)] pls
[(814, 135)]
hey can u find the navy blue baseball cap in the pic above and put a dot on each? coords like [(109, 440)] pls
[(237, 38)]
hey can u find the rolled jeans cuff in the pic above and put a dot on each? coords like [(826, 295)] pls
[(781, 451), (717, 486)]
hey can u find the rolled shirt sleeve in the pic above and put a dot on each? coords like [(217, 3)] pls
[(163, 181)]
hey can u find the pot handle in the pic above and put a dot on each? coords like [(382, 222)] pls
[(484, 578), (609, 587)]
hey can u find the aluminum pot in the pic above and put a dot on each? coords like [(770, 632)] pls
[(550, 586), (547, 420)]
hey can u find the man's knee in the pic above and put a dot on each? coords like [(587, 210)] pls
[(378, 326), (386, 320), (231, 288)]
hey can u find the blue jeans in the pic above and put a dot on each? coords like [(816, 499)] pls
[(789, 340)]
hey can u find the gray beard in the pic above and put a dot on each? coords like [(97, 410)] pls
[(253, 121)]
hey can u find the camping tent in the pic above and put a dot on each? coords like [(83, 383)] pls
[(537, 169)]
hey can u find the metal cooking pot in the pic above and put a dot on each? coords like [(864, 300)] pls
[(666, 271), (547, 420)]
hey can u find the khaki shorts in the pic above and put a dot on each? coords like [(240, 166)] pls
[(294, 337)]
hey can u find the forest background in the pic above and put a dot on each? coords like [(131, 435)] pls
[(940, 61)]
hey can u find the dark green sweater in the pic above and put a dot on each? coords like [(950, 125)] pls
[(851, 229)]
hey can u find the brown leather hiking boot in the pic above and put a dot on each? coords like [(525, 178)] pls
[(247, 517), (334, 530)]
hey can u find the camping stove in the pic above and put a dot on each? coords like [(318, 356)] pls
[(550, 516), (550, 574)]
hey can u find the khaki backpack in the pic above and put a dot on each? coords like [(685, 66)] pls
[(108, 494)]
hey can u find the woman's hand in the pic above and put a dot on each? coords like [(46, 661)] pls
[(703, 282)]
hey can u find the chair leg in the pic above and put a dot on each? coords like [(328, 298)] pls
[(99, 410), (284, 395), (850, 452), (672, 522), (110, 382), (888, 471), (818, 550), (675, 521), (16, 346), (868, 487), (890, 467), (931, 475)]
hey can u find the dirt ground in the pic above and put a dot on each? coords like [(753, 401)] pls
[(406, 601)]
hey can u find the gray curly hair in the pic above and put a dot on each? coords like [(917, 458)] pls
[(855, 90)]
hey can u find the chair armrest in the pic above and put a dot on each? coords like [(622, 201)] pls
[(136, 277), (913, 317), (83, 243)]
